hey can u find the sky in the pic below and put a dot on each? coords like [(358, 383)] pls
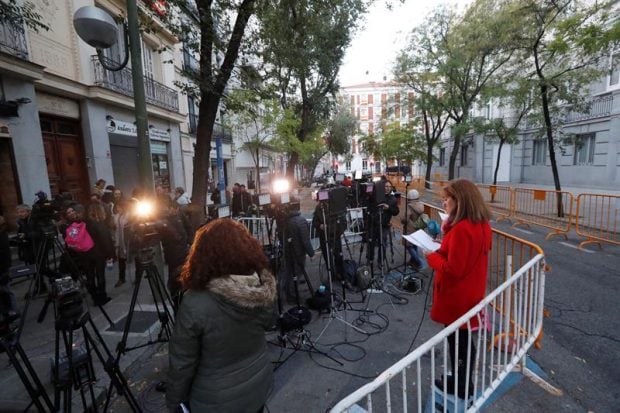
[(379, 39)]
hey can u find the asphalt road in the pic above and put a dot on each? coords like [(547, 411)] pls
[(581, 346)]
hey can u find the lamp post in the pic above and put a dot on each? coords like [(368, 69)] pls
[(97, 28)]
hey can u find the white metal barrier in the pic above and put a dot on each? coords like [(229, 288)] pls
[(510, 319)]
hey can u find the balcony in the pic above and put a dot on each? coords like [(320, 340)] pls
[(156, 93), (598, 107), (13, 37)]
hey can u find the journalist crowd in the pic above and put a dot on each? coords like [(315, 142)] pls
[(223, 281)]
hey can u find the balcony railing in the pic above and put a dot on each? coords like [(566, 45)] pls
[(121, 81), (13, 37), (596, 108)]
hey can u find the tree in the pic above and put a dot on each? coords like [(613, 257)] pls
[(429, 102), (304, 44), (16, 14), (565, 43), (515, 98), (216, 31), (464, 53), (255, 121)]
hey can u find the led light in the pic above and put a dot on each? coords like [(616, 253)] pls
[(280, 186), (144, 209), (376, 179)]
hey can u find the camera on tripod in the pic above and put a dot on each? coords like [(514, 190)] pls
[(147, 226), (68, 299), (43, 214)]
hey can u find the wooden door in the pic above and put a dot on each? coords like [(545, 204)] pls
[(9, 185), (64, 156)]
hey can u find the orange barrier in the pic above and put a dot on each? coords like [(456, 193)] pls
[(499, 199), (508, 254), (598, 219), (549, 209)]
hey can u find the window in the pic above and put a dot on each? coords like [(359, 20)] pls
[(464, 154), (584, 149), (614, 70), (442, 157), (191, 114), (364, 164), (377, 166), (347, 165), (117, 52), (539, 152)]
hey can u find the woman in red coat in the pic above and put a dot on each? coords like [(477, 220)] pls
[(460, 266)]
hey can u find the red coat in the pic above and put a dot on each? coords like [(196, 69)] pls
[(460, 266)]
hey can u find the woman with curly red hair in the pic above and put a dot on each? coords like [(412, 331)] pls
[(218, 352)]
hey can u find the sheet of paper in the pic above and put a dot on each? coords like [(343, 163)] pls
[(422, 239), (443, 216)]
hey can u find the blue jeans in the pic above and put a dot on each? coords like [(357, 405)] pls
[(413, 253)]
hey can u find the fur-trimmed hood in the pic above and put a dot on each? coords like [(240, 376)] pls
[(246, 291)]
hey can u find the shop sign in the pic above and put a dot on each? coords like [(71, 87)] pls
[(159, 134), (120, 127)]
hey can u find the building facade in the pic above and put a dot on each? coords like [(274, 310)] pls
[(73, 121), (374, 105)]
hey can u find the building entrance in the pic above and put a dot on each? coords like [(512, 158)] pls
[(64, 155)]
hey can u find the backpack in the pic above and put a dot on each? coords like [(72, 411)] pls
[(433, 228), (77, 237)]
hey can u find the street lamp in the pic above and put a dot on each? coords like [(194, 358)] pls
[(97, 28)]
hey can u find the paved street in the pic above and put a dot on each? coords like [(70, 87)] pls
[(579, 349)]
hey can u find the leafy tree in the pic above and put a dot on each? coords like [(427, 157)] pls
[(218, 32), (16, 14), (565, 43), (255, 121), (464, 52), (304, 44), (429, 102)]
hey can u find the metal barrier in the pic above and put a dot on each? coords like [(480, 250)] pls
[(598, 218), (521, 297), (549, 209), (260, 228), (499, 199)]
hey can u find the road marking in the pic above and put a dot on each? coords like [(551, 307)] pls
[(576, 247), (525, 231)]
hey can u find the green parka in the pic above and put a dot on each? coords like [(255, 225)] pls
[(218, 354)]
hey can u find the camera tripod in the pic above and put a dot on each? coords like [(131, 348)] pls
[(51, 241), (294, 320), (9, 343), (146, 268), (333, 312), (78, 373)]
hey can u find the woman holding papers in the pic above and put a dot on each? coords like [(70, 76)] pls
[(460, 266)]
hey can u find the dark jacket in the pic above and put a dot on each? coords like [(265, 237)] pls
[(218, 352), (298, 236), (100, 234), (174, 240), (391, 211)]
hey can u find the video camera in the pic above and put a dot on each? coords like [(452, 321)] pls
[(43, 214), (68, 299), (146, 227)]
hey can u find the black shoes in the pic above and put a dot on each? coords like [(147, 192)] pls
[(460, 391)]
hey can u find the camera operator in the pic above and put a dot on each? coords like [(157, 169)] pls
[(176, 237), (5, 264), (294, 235), (380, 223), (27, 235), (89, 245), (333, 230)]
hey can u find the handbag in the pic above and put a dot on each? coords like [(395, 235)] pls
[(77, 237)]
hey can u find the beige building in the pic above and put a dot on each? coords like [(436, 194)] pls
[(66, 121)]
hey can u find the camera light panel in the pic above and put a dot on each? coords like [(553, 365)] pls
[(285, 198), (223, 212), (323, 195), (264, 199)]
